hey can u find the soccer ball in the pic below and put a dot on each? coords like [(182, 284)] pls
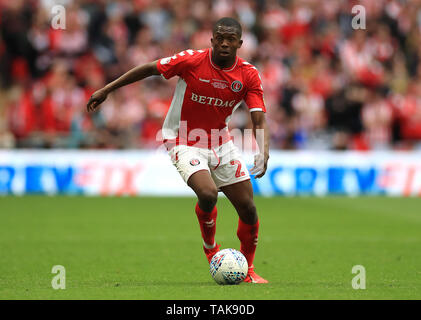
[(228, 266)]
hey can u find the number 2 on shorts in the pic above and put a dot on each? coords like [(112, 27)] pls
[(238, 173)]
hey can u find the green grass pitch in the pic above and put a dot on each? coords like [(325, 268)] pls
[(150, 248)]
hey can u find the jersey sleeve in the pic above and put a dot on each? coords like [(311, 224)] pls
[(175, 65), (254, 96)]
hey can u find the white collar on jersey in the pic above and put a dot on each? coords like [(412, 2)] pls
[(218, 68)]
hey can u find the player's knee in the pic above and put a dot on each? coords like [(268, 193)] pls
[(249, 208), (248, 212), (207, 198)]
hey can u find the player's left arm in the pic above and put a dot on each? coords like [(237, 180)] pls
[(261, 133), (256, 104)]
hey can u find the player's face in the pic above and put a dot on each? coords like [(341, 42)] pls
[(225, 43)]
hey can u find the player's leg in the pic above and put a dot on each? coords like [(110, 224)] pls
[(206, 212), (241, 196), (232, 178), (205, 189), (193, 168)]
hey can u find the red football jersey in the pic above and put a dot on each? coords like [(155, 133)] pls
[(206, 96)]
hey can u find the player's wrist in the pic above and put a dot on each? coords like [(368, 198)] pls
[(106, 90), (265, 156)]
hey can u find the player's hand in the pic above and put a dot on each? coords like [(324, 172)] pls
[(260, 165), (96, 99)]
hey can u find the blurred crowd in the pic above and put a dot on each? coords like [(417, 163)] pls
[(327, 86)]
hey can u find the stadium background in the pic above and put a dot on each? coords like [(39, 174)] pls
[(327, 86), (344, 110)]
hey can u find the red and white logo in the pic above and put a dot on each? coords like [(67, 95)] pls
[(236, 86), (194, 162)]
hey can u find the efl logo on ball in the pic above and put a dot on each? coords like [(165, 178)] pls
[(228, 266)]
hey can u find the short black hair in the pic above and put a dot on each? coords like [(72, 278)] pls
[(228, 22)]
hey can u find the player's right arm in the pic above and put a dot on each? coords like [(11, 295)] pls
[(133, 75), (167, 67)]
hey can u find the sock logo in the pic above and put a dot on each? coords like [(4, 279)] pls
[(210, 224)]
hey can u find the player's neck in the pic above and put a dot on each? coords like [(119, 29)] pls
[(223, 64)]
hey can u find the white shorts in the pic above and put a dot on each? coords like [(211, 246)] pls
[(224, 163)]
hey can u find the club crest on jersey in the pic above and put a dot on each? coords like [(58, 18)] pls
[(236, 86), (194, 162)]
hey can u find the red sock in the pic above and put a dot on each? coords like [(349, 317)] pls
[(207, 222), (247, 233)]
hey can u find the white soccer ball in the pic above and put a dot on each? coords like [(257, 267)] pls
[(228, 266)]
